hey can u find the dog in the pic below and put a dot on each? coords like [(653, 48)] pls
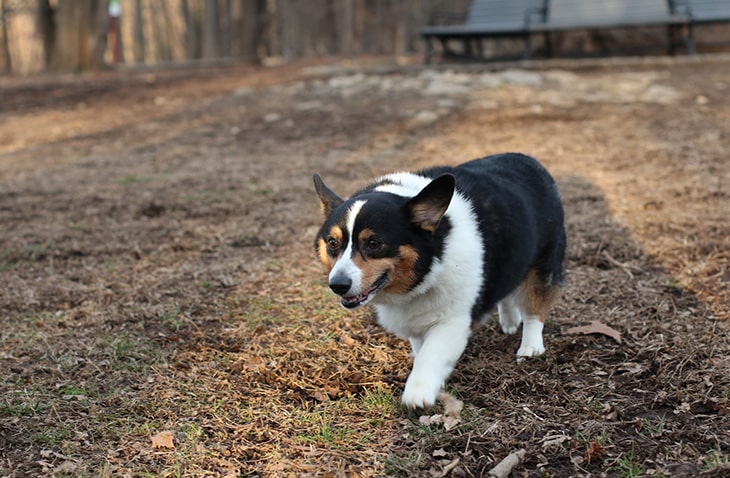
[(437, 250)]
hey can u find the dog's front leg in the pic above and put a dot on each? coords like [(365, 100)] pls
[(439, 351)]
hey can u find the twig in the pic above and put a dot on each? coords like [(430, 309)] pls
[(504, 467), (626, 267), (448, 468)]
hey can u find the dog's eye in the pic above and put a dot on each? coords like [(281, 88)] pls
[(332, 243), (373, 244)]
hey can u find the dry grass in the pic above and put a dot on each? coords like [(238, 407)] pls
[(158, 276)]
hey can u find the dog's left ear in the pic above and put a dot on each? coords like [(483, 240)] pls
[(328, 199), (428, 207)]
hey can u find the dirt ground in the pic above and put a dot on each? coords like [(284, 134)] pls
[(164, 315)]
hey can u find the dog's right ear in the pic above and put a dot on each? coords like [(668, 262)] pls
[(328, 199), (428, 206)]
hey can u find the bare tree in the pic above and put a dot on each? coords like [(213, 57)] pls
[(80, 35), (211, 45), (8, 60), (139, 40)]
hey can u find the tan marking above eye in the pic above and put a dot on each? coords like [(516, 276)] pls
[(336, 232), (322, 253)]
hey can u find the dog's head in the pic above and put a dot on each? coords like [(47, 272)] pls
[(378, 241)]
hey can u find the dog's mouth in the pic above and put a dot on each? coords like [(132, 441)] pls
[(352, 302)]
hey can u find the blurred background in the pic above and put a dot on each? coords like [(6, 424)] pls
[(75, 35)]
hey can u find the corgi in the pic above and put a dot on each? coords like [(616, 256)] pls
[(436, 251)]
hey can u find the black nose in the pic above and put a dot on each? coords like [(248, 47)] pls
[(340, 284)]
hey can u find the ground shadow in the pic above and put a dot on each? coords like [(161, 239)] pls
[(657, 402)]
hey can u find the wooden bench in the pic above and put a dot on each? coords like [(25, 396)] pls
[(484, 19)]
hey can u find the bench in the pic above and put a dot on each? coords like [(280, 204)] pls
[(484, 19), (709, 11), (572, 15), (520, 19)]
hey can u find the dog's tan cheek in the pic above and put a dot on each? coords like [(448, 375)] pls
[(372, 269), (404, 271)]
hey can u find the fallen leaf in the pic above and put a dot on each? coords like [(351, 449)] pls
[(595, 450), (164, 439), (320, 396), (440, 453), (595, 327)]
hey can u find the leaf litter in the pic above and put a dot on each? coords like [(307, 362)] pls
[(162, 270)]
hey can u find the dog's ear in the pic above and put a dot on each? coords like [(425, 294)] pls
[(428, 207), (328, 199)]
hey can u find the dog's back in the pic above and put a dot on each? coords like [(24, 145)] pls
[(520, 215)]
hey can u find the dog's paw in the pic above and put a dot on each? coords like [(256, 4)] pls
[(420, 394), (529, 351), (509, 329)]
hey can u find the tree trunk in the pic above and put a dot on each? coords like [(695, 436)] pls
[(346, 23), (80, 38), (47, 27), (251, 29), (8, 61), (211, 46), (138, 45)]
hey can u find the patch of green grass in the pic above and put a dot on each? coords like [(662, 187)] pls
[(321, 427), (134, 179), (628, 466), (715, 459), (22, 404), (654, 428), (601, 438), (380, 405), (54, 435), (129, 352), (402, 464)]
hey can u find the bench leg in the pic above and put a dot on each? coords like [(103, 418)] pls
[(691, 48), (429, 51)]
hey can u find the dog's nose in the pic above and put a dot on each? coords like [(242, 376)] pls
[(340, 284)]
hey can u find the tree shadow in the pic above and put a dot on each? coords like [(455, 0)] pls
[(658, 400)]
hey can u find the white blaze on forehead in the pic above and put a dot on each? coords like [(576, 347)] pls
[(403, 184), (344, 265)]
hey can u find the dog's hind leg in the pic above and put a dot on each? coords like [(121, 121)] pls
[(510, 316), (535, 297)]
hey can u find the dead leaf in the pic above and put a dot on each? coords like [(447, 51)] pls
[(440, 453), (320, 396), (164, 439), (595, 450), (595, 327), (451, 416)]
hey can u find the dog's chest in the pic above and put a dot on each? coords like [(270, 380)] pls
[(413, 318)]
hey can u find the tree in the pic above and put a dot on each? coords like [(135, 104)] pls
[(6, 43), (138, 45), (80, 35), (211, 45)]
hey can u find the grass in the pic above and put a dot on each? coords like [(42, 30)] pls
[(135, 179), (714, 460), (627, 465)]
